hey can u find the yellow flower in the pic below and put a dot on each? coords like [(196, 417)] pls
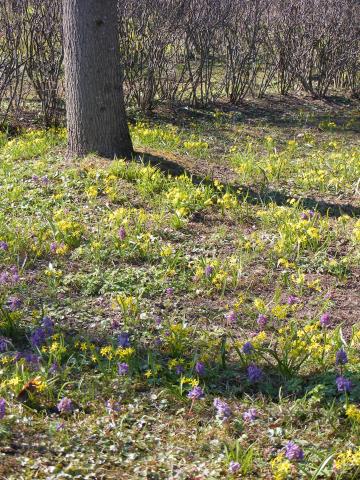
[(92, 191), (124, 352), (281, 467), (280, 311), (259, 339), (107, 352), (260, 305), (353, 412), (345, 461), (166, 251)]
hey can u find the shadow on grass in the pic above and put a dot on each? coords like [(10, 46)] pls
[(256, 197), (275, 110)]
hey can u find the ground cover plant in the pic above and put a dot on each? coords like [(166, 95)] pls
[(175, 318)]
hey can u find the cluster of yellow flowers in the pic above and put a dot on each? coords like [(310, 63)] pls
[(110, 353), (346, 461), (353, 412), (281, 467), (70, 230)]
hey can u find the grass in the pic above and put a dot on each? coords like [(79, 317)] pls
[(124, 286)]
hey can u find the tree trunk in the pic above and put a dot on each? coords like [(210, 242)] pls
[(96, 118)]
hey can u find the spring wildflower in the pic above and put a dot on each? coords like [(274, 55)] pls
[(60, 426), (65, 405), (2, 408), (123, 368), (14, 303), (38, 337), (292, 300), (122, 233), (169, 291), (325, 320), (112, 406), (208, 270), (248, 348), (262, 320), (4, 246), (48, 325), (179, 369), (234, 467), (353, 412), (196, 393), (343, 384), (254, 373), (250, 415), (200, 368), (231, 316), (30, 358), (124, 340), (341, 357), (4, 342), (54, 367), (223, 411), (293, 452)]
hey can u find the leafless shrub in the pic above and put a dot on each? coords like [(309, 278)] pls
[(192, 51), (42, 42)]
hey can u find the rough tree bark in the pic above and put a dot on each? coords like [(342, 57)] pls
[(96, 118)]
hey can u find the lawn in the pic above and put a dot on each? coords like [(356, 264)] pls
[(192, 314)]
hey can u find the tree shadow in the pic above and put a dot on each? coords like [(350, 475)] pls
[(252, 195), (284, 112)]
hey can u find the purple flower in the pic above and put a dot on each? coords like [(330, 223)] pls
[(292, 299), (4, 246), (179, 369), (112, 406), (53, 247), (31, 359), (60, 426), (262, 320), (208, 270), (123, 368), (124, 340), (223, 410), (158, 342), (325, 320), (2, 408), (293, 451), (196, 393), (343, 384), (48, 325), (341, 357), (38, 337), (248, 348), (54, 367), (254, 373), (231, 316), (14, 303), (169, 291), (115, 324), (250, 415), (234, 467), (307, 215), (65, 405), (158, 320), (4, 342), (200, 368), (122, 233)]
